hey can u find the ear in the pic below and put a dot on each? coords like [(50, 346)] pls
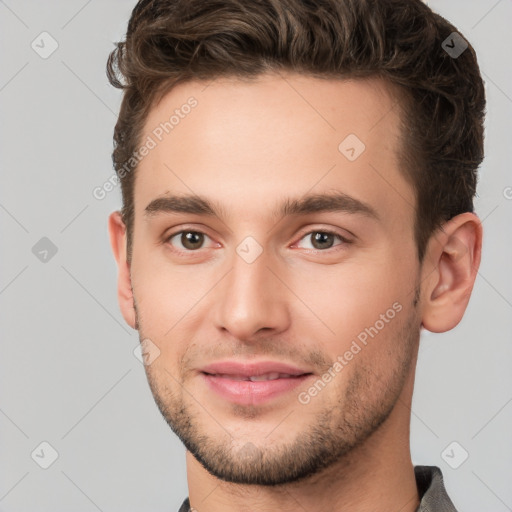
[(453, 257), (117, 232)]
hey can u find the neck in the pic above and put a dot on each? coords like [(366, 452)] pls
[(376, 475), (378, 487)]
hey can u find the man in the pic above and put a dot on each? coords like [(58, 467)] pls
[(298, 182)]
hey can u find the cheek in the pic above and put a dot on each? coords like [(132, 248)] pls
[(167, 296), (344, 300)]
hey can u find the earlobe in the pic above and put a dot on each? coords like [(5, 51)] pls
[(454, 254), (117, 231)]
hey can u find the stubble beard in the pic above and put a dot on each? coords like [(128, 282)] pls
[(335, 432)]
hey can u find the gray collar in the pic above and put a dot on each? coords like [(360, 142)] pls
[(429, 480)]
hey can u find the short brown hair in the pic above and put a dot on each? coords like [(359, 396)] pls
[(442, 99)]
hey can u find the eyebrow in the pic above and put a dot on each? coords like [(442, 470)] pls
[(313, 203)]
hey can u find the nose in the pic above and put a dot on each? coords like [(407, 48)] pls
[(252, 299)]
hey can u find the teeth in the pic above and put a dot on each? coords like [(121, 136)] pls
[(268, 376), (257, 378)]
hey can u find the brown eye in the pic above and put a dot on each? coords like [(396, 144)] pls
[(189, 240), (322, 240)]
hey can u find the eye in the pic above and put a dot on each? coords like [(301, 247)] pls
[(322, 240), (193, 240), (189, 240)]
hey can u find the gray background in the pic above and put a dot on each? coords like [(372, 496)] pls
[(68, 374)]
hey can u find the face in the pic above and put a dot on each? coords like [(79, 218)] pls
[(274, 270)]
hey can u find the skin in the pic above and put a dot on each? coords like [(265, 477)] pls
[(248, 146)]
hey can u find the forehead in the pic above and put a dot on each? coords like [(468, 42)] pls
[(247, 143)]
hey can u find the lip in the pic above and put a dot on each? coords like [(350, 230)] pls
[(248, 369), (225, 379)]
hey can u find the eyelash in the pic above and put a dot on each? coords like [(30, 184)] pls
[(344, 240)]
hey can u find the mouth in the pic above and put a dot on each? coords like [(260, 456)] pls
[(253, 383), (255, 378)]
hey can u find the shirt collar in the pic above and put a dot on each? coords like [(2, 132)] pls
[(430, 483)]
